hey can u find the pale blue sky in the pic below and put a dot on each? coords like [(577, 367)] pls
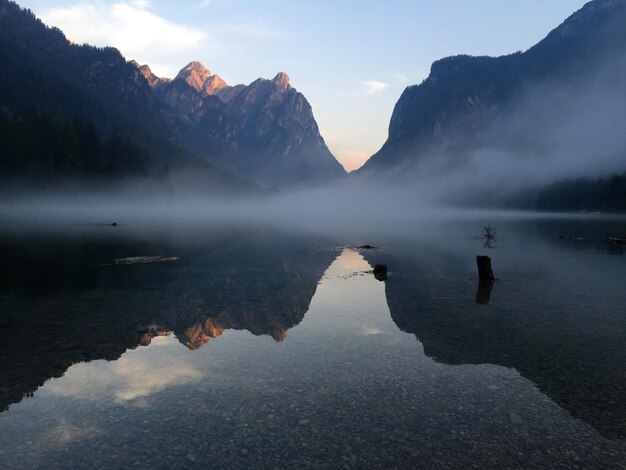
[(350, 58)]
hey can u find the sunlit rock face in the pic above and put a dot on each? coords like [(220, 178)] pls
[(200, 79), (151, 78), (471, 102), (282, 80), (264, 131)]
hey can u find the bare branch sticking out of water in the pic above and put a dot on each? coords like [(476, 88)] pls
[(489, 234)]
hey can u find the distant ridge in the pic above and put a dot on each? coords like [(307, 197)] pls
[(466, 101)]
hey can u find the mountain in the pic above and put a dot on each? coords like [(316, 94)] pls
[(510, 103), (195, 122), (72, 111), (264, 131)]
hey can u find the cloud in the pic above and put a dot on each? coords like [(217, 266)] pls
[(129, 26), (135, 381), (373, 86), (136, 375), (257, 30), (141, 4)]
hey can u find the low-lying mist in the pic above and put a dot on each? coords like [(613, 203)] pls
[(346, 206), (551, 131)]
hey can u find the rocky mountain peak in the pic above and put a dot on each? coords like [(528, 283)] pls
[(150, 77), (214, 83), (194, 68), (197, 76), (282, 79), (264, 131)]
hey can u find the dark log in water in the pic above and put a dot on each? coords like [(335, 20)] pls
[(485, 272)]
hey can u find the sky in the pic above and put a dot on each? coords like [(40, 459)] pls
[(351, 58)]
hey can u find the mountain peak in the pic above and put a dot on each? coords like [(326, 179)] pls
[(194, 68), (197, 76), (214, 83), (588, 17), (282, 79), (150, 77)]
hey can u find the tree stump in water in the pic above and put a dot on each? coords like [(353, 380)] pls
[(485, 272)]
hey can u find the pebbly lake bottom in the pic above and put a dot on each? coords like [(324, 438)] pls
[(265, 347)]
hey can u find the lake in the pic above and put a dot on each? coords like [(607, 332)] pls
[(241, 345)]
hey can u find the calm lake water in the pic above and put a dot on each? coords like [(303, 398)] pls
[(254, 346)]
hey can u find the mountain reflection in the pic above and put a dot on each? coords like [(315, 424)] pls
[(265, 283), (569, 344), (63, 302)]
